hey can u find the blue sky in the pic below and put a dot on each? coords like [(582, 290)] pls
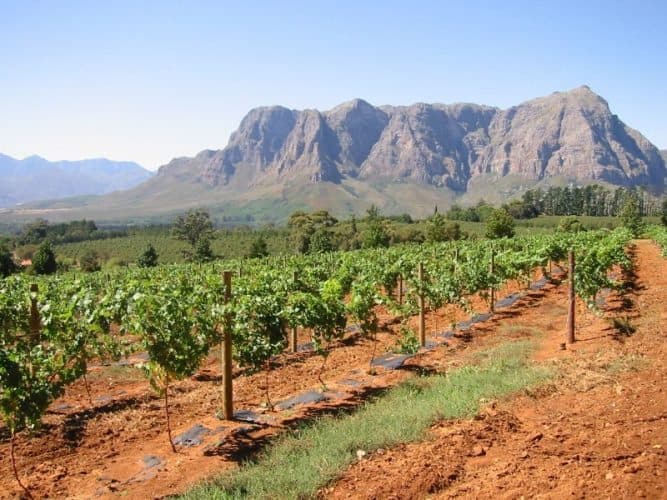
[(152, 80)]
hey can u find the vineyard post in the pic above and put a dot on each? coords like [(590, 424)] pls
[(400, 289), (422, 319), (492, 290), (227, 401), (572, 300), (293, 333), (35, 322)]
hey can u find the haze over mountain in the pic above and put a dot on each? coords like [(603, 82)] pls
[(35, 178), (402, 158)]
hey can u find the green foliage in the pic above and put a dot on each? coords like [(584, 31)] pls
[(7, 264), (499, 224), (373, 212), (631, 217), (149, 257), (66, 232), (90, 262), (258, 248), (590, 200), (195, 228), (570, 224), (321, 242), (304, 227), (375, 235), (438, 229), (663, 215), (301, 463), (521, 210), (44, 259), (203, 252), (407, 342)]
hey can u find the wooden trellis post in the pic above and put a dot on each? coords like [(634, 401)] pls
[(293, 332), (422, 313), (492, 290), (572, 299), (227, 390)]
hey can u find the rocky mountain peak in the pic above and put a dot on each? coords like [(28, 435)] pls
[(571, 134)]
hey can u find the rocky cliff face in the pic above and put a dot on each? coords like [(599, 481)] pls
[(568, 134)]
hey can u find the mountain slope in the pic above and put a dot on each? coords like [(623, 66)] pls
[(402, 158), (572, 135), (35, 178)]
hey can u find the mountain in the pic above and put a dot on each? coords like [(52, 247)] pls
[(401, 158), (35, 178), (571, 134)]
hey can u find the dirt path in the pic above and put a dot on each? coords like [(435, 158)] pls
[(599, 432), (118, 445)]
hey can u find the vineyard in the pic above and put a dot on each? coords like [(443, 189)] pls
[(54, 329)]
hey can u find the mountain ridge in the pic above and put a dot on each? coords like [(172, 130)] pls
[(35, 178), (571, 134), (400, 158)]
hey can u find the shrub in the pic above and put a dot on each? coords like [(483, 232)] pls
[(499, 224), (44, 259)]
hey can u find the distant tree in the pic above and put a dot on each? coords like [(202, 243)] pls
[(375, 235), (196, 228), (149, 257), (353, 224), (321, 241), (258, 248), (521, 210), (630, 216), (570, 224), (663, 216), (90, 261), (499, 224), (438, 229), (7, 264), (203, 251), (435, 228), (373, 212), (44, 259), (303, 226), (453, 231)]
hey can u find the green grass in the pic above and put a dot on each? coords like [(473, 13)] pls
[(306, 459)]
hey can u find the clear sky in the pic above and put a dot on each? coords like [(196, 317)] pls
[(150, 80)]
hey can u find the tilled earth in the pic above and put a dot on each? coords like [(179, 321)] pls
[(600, 431), (553, 443)]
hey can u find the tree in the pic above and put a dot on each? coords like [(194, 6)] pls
[(499, 224), (7, 264), (44, 260), (196, 228), (435, 228), (373, 212), (630, 215), (663, 217), (321, 242), (303, 226), (375, 235), (149, 257), (203, 251), (570, 224), (90, 261), (258, 248)]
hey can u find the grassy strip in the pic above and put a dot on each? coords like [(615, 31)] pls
[(303, 461)]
